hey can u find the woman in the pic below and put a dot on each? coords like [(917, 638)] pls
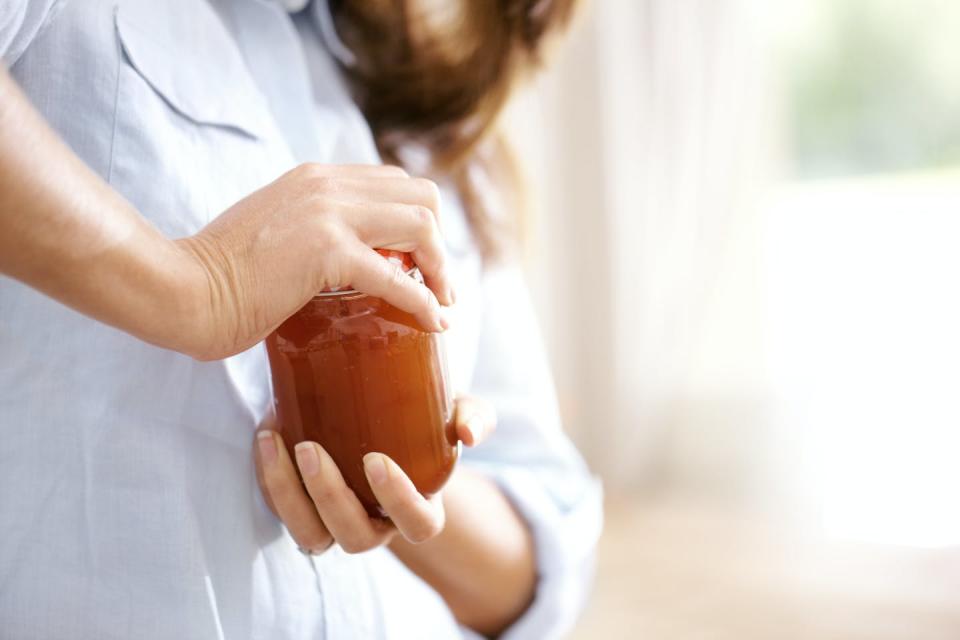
[(129, 503)]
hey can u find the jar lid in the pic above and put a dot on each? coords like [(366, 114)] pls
[(397, 258)]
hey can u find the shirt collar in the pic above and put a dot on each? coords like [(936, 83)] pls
[(294, 6), (328, 30)]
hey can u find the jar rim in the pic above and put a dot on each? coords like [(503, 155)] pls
[(413, 272)]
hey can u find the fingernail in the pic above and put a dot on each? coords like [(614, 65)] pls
[(268, 447), (475, 426), (452, 294), (444, 319), (376, 468), (307, 459)]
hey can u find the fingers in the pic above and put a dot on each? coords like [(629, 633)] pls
[(328, 510), (336, 503), (388, 209), (283, 492), (405, 227), (400, 213), (375, 276), (415, 517), (371, 183), (474, 419), (381, 207), (392, 225), (431, 260), (362, 170), (391, 188)]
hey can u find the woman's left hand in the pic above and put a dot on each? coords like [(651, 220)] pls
[(322, 509)]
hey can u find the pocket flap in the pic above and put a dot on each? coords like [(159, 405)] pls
[(187, 56)]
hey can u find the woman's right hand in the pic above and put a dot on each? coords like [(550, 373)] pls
[(314, 228)]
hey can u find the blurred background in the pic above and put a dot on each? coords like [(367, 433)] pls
[(743, 247)]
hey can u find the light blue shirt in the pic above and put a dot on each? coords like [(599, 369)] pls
[(128, 502)]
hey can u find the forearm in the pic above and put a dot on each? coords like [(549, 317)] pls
[(483, 562), (65, 232)]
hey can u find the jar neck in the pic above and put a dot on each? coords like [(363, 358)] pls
[(413, 272)]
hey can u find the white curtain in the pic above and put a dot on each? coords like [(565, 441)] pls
[(645, 144)]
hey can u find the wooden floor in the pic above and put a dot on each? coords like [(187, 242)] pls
[(669, 572)]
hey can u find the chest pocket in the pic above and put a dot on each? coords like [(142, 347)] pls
[(192, 132)]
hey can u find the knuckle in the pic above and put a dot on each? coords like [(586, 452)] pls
[(432, 193), (307, 170), (327, 232), (322, 214), (396, 277), (324, 495), (356, 544), (430, 300), (425, 301), (326, 184), (329, 267), (431, 263), (317, 199), (436, 252), (424, 218)]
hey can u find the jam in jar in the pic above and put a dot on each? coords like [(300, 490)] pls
[(355, 374)]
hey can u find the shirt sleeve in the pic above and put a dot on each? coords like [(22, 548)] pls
[(20, 22), (532, 460)]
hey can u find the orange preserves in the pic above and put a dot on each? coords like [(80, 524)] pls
[(355, 374)]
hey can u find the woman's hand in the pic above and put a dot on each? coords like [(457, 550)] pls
[(323, 509), (314, 228), (66, 232)]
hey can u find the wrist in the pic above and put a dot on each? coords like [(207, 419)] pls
[(191, 301), (163, 296), (483, 562)]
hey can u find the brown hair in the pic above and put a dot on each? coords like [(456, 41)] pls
[(436, 79)]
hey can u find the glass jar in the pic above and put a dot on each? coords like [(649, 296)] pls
[(355, 374)]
